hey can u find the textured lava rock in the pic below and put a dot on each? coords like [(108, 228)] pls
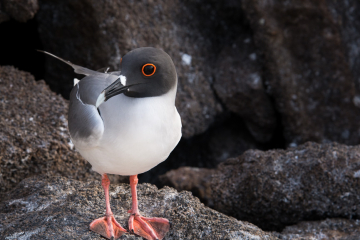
[(98, 33), (239, 84), (276, 188), (346, 15), (58, 208), (34, 138), (196, 180), (339, 229), (19, 10), (307, 70)]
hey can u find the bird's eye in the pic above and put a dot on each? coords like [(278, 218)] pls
[(148, 69)]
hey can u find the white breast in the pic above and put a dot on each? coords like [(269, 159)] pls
[(139, 133)]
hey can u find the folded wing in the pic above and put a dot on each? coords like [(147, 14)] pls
[(85, 123)]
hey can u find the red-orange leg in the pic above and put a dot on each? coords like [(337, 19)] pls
[(107, 226), (149, 228)]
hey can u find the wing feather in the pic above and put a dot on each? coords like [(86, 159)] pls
[(85, 123)]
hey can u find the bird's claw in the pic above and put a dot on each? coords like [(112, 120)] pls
[(148, 228), (107, 227)]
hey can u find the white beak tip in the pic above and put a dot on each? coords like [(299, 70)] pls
[(100, 99)]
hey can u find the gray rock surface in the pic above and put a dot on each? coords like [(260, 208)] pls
[(20, 10), (276, 188), (332, 229), (98, 33), (59, 208), (307, 68)]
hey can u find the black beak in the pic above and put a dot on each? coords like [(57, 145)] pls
[(113, 89)]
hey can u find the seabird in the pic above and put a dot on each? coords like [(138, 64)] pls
[(126, 123)]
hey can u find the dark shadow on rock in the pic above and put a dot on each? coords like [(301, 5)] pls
[(21, 11), (307, 67), (18, 45)]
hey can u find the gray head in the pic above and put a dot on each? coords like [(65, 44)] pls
[(145, 72)]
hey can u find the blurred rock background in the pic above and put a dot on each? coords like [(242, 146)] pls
[(257, 81)]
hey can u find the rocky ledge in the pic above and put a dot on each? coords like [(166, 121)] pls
[(337, 228), (278, 188), (59, 208)]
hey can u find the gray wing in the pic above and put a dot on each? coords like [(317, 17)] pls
[(85, 123)]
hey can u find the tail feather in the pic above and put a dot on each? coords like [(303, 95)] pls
[(77, 69)]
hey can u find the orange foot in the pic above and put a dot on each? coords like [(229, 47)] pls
[(149, 228), (107, 227)]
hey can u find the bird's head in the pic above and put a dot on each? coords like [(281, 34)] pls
[(145, 72)]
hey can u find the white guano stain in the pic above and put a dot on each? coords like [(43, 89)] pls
[(24, 235), (252, 56), (71, 144), (31, 206), (114, 193), (239, 234), (186, 59), (357, 174)]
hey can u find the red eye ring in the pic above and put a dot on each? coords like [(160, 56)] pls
[(145, 71)]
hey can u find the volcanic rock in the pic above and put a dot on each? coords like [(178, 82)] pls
[(59, 208), (337, 228), (196, 180), (34, 138), (307, 68), (19, 10), (346, 16), (239, 84), (276, 188)]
